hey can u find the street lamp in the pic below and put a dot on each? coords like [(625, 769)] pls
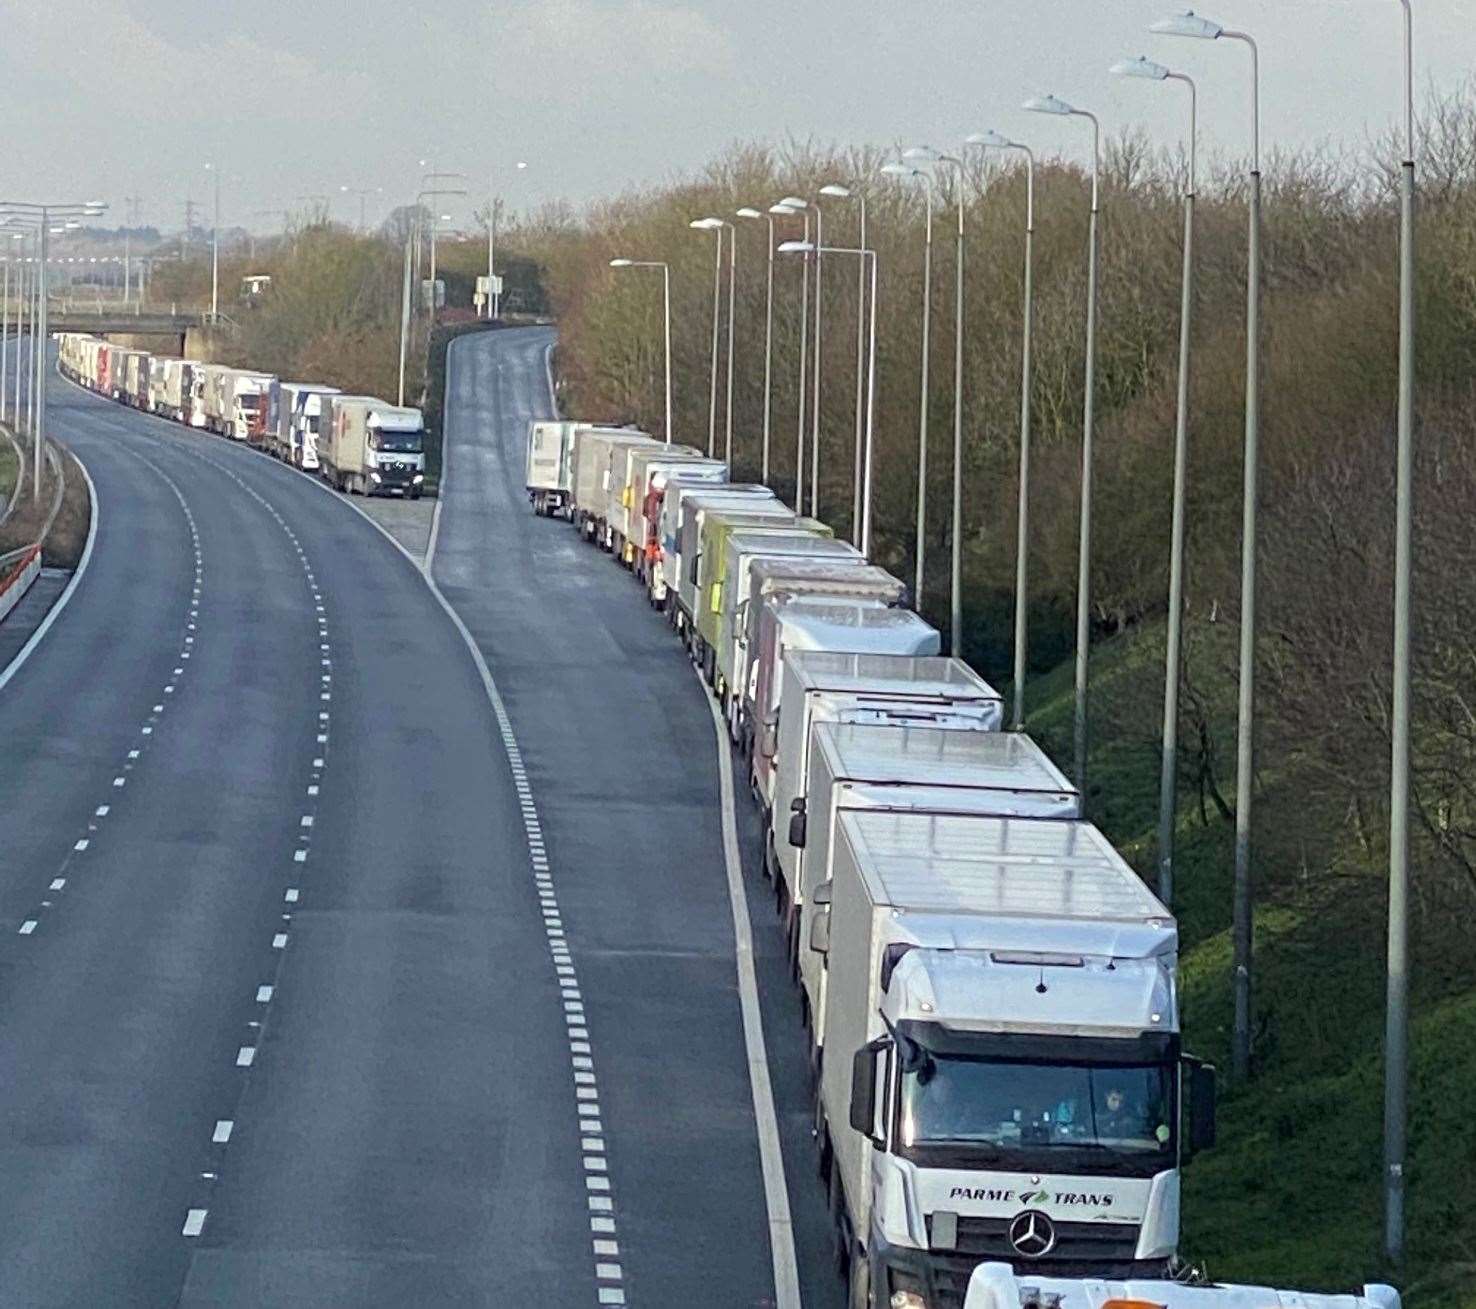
[(955, 605), (1191, 25), (796, 205), (1396, 1030), (1049, 104), (841, 192), (1168, 788), (807, 248), (715, 226), (666, 301), (819, 248), (215, 247), (749, 212), (494, 296), (363, 192), (908, 170), (992, 140)]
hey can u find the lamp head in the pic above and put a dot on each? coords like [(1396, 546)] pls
[(705, 224), (620, 263), (796, 247), (1048, 104), (835, 189), (1140, 66), (1188, 24), (921, 154), (990, 139), (901, 170), (748, 212), (794, 202), (782, 209)]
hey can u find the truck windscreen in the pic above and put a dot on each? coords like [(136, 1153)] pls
[(399, 443), (1039, 1115)]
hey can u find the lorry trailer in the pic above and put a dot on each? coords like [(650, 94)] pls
[(549, 471), (374, 447)]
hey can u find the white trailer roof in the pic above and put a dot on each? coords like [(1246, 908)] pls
[(915, 676), (929, 756), (1004, 867), (830, 623)]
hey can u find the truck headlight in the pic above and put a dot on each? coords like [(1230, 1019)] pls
[(374, 477), (418, 478), (908, 1300)]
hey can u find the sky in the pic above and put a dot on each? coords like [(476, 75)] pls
[(299, 98)]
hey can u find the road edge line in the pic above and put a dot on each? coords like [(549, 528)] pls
[(771, 1149), (61, 601)]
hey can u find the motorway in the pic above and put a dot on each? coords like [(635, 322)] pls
[(326, 976)]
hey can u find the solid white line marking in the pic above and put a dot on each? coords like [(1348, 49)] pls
[(771, 1152), (27, 927), (194, 1222), (222, 1134)]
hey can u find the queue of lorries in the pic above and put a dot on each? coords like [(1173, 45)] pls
[(990, 989), (355, 442)]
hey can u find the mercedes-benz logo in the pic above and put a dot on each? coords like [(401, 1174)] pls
[(1032, 1234)]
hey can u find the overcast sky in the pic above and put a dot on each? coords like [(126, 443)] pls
[(301, 97)]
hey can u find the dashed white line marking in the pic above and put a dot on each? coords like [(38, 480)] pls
[(57, 883), (291, 895), (27, 927), (222, 1133), (307, 820), (279, 942), (118, 781), (263, 995), (101, 811), (245, 1056), (81, 845), (300, 856), (194, 1222)]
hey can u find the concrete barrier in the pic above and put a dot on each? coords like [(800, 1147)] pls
[(16, 578)]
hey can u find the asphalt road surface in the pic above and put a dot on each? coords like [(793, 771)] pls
[(621, 757), (280, 1021)]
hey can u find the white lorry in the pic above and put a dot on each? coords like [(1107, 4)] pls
[(234, 401), (373, 447), (924, 764), (301, 410), (677, 505), (549, 475), (1003, 1077), (996, 1286), (652, 473), (590, 492)]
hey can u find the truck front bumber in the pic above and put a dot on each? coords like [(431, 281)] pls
[(931, 1226)]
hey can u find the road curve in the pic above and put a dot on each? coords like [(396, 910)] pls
[(622, 760), (284, 1027)]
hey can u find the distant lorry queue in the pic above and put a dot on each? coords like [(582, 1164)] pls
[(990, 989), (355, 442)]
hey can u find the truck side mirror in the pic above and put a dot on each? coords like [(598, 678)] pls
[(1201, 1107), (864, 1065), (820, 932), (797, 823)]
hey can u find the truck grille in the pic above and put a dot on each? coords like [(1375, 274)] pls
[(1081, 1250)]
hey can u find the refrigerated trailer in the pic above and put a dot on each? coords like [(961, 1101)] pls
[(233, 401), (996, 1286), (677, 506), (593, 447), (921, 765), (549, 469), (654, 474), (1002, 1056)]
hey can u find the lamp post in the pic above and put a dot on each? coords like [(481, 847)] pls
[(806, 248), (1168, 788), (666, 304), (1049, 104), (435, 192), (494, 297), (815, 402), (1396, 1031), (796, 205), (20, 314), (4, 338), (363, 192), (991, 140), (1191, 25), (215, 247), (732, 300), (715, 226), (842, 192), (40, 218), (918, 575), (749, 212)]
